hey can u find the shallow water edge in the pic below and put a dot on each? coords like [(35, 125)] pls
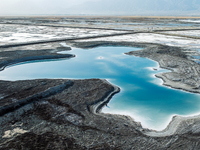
[(133, 116)]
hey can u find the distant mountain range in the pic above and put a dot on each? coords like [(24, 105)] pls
[(138, 7)]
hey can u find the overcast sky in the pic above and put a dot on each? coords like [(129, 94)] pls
[(114, 7), (16, 7)]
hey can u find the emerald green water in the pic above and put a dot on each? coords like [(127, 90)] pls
[(142, 96)]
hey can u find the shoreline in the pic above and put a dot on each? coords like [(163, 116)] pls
[(69, 117), (34, 58), (96, 108), (164, 83)]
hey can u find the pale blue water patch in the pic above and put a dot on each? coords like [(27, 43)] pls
[(142, 96)]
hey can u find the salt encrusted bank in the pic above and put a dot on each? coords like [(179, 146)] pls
[(65, 113)]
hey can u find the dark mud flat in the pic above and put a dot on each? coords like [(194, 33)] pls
[(16, 55), (65, 114), (61, 114)]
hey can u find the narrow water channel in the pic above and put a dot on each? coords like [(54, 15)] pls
[(142, 96)]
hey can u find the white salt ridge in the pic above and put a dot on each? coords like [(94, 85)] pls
[(189, 20), (11, 133), (195, 33), (64, 44), (174, 125), (22, 33), (152, 38)]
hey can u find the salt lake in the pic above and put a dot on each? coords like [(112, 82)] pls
[(142, 95)]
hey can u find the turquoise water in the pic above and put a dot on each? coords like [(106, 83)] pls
[(142, 96)]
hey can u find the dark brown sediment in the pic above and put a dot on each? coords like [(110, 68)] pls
[(66, 113)]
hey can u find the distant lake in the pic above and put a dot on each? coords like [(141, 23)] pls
[(142, 95)]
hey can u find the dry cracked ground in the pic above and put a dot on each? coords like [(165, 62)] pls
[(66, 113)]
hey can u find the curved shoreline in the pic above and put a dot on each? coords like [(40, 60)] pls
[(59, 114), (35, 58), (139, 53), (98, 106), (86, 115)]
